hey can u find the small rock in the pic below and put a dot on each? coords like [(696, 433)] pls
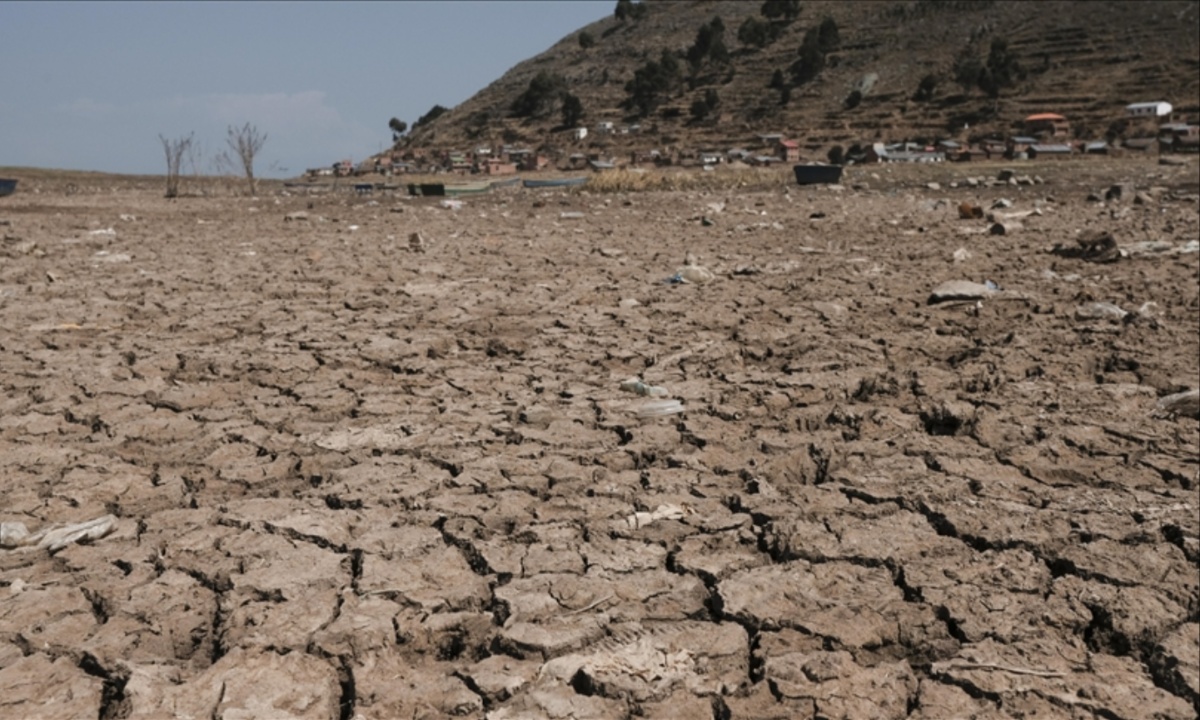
[(416, 243), (1002, 203), (1165, 160), (967, 211), (960, 290), (1142, 198), (294, 216), (1185, 403), (706, 221), (933, 186), (1118, 191), (1005, 175), (1005, 227)]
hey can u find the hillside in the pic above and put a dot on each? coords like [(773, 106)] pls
[(1084, 60)]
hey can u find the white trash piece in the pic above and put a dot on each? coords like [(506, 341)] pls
[(659, 408), (13, 535)]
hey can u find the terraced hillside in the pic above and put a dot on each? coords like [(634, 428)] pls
[(1083, 60)]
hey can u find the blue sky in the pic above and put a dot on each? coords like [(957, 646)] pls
[(91, 85)]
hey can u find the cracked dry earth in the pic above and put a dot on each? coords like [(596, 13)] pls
[(354, 481)]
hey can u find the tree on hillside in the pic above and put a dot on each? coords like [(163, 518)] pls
[(966, 71), (176, 150), (709, 44), (828, 35), (1002, 69), (926, 88), (786, 10), (246, 142), (586, 40), (434, 113), (755, 32), (811, 61), (627, 9), (541, 96), (397, 127), (572, 110), (651, 83)]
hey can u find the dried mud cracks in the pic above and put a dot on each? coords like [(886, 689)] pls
[(354, 481)]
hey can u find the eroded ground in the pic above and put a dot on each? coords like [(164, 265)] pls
[(355, 481)]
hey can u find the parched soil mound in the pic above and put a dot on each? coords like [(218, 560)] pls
[(335, 472)]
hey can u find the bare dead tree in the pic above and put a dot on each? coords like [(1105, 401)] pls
[(245, 142), (175, 150)]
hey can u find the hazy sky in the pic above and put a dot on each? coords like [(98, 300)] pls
[(91, 85)]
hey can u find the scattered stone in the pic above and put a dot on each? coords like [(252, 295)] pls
[(1001, 203), (1005, 175), (1173, 161), (1100, 311), (969, 211), (1005, 227), (295, 216), (417, 243), (1119, 190), (933, 186), (960, 290), (706, 222)]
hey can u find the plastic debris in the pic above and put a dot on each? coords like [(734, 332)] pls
[(635, 385), (960, 290), (1099, 311), (15, 534), (659, 408), (662, 512)]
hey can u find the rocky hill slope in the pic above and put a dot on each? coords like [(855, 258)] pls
[(921, 69)]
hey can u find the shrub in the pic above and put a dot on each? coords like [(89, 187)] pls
[(853, 100), (586, 40), (541, 95), (754, 32), (836, 155), (926, 88)]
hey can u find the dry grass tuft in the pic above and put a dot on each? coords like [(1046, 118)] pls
[(723, 178)]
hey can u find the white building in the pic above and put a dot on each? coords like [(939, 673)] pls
[(1149, 109), (579, 133)]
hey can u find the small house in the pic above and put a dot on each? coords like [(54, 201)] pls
[(1096, 147), (770, 139), (1047, 125), (577, 160), (1158, 109), (497, 166), (579, 133), (788, 150), (343, 168), (534, 161), (604, 128), (1050, 151), (1143, 144), (710, 157)]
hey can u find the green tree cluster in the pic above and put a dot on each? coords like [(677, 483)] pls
[(786, 10), (709, 44), (818, 42), (651, 83), (629, 10), (702, 107), (541, 97), (434, 113), (1002, 69), (586, 40)]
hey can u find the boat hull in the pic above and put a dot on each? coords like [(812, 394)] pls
[(818, 174), (554, 182)]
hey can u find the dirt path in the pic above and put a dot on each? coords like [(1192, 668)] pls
[(350, 480)]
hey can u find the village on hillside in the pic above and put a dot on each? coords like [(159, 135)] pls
[(1148, 127)]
